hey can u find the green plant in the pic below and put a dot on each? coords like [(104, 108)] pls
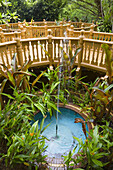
[(91, 153), (18, 78), (27, 148), (15, 117)]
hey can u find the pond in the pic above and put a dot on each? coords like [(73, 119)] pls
[(64, 142)]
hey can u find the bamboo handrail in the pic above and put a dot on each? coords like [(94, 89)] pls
[(57, 30), (92, 56)]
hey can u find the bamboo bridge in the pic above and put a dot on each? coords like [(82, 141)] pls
[(34, 41)]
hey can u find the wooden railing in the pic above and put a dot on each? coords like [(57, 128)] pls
[(57, 31), (91, 56), (42, 23), (39, 29)]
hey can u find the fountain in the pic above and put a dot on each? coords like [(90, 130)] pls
[(61, 142), (62, 128)]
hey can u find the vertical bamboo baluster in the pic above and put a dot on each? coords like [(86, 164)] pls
[(45, 29), (55, 50), (76, 46), (34, 32), (37, 32), (2, 56), (22, 32), (91, 31), (27, 51), (50, 48), (53, 32), (112, 37), (102, 57), (29, 56), (32, 44), (59, 50), (24, 49), (101, 37), (30, 31), (45, 49), (93, 55), (67, 46), (40, 32), (61, 29), (80, 23), (42, 56), (27, 31), (2, 35), (11, 49), (6, 55), (71, 31), (112, 51), (80, 55), (67, 30), (85, 51), (97, 58), (37, 56), (89, 52), (82, 26), (108, 37)]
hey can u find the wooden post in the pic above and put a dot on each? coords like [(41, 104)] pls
[(80, 55), (80, 23), (22, 32), (2, 35), (92, 22), (19, 52), (71, 31), (17, 35), (91, 31), (45, 29), (55, 22), (61, 29), (44, 22), (82, 26), (50, 51), (30, 31), (69, 22), (95, 29), (67, 29), (19, 24)]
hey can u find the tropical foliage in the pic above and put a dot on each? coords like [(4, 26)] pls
[(87, 10)]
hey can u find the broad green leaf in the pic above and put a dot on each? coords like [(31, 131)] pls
[(34, 82), (26, 163), (40, 107), (108, 88), (33, 127), (3, 74), (23, 73), (97, 162), (3, 85), (73, 58), (42, 123), (21, 156), (45, 127), (11, 79), (53, 86), (8, 95), (26, 66), (53, 105)]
